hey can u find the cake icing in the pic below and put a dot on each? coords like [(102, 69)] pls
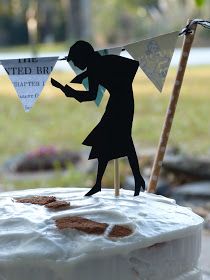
[(165, 240)]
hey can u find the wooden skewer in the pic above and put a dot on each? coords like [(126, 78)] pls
[(116, 177), (187, 44)]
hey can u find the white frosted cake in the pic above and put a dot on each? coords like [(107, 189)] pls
[(162, 240)]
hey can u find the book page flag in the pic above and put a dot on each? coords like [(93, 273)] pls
[(154, 56), (28, 76), (101, 89)]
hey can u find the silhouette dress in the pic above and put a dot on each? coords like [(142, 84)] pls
[(111, 138)]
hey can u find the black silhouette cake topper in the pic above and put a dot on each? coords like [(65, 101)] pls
[(111, 138)]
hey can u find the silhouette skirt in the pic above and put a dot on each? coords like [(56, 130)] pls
[(111, 138)]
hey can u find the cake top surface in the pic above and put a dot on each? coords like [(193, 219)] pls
[(30, 231)]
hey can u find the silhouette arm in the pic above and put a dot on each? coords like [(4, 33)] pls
[(82, 96)]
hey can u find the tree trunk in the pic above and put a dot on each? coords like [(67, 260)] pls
[(80, 20)]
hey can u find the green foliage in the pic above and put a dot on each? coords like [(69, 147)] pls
[(110, 21), (200, 3)]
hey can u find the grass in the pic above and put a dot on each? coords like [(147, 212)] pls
[(55, 120)]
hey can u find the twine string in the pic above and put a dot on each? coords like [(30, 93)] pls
[(187, 29)]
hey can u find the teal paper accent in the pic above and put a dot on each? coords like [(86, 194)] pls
[(100, 95), (85, 83), (101, 89), (100, 92)]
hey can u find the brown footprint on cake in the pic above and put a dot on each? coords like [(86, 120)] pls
[(48, 201), (91, 227), (37, 199)]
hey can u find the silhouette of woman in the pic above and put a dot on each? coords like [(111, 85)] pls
[(111, 138)]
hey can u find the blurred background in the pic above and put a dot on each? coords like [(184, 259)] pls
[(43, 148), (58, 23), (48, 28)]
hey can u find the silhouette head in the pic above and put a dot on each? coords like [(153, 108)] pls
[(80, 53)]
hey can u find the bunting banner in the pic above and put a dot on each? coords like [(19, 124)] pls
[(101, 89), (28, 76), (154, 56)]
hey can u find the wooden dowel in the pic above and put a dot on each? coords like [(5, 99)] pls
[(116, 177), (187, 44)]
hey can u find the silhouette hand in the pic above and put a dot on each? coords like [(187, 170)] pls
[(56, 84)]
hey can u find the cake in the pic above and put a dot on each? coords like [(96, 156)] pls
[(148, 237)]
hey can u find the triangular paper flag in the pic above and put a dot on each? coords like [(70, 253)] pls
[(154, 56), (29, 76), (101, 89)]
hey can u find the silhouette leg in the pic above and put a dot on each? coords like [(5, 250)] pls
[(102, 164), (133, 161)]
